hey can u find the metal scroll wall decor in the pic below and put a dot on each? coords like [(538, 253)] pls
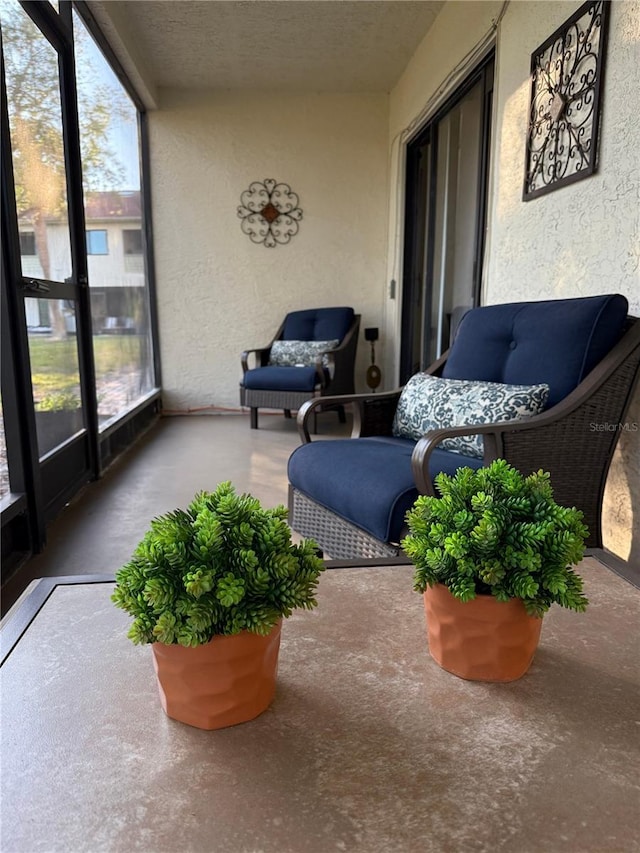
[(566, 84), (270, 212)]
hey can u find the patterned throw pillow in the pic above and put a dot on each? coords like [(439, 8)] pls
[(429, 402), (299, 353)]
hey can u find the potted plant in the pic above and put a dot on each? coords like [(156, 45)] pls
[(491, 555), (208, 587)]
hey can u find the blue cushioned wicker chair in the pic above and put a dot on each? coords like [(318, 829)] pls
[(311, 355), (351, 495)]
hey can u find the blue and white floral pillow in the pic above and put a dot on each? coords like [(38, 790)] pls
[(429, 402), (299, 353)]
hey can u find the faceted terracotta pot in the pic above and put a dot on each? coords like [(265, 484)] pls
[(227, 681), (483, 639)]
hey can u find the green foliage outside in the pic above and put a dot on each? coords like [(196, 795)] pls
[(49, 355), (221, 566), (34, 113), (54, 363), (111, 352), (494, 531), (50, 384), (59, 402), (37, 147)]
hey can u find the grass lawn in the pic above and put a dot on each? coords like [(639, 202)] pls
[(54, 363)]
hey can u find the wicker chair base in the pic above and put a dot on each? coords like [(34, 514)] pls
[(338, 538), (258, 399)]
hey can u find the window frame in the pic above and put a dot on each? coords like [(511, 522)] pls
[(125, 236)]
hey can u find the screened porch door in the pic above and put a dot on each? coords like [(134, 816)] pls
[(44, 257)]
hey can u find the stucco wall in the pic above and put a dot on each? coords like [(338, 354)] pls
[(579, 240), (218, 293), (459, 27), (582, 239)]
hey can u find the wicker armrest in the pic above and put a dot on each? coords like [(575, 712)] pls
[(342, 347), (262, 357), (342, 360), (325, 362), (492, 434)]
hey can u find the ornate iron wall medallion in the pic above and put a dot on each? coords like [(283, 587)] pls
[(270, 213), (566, 84)]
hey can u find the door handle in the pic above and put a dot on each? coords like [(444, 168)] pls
[(35, 285)]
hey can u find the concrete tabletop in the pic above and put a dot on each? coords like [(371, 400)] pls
[(368, 746)]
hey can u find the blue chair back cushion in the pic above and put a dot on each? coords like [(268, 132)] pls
[(340, 474), (272, 378), (557, 342), (317, 324)]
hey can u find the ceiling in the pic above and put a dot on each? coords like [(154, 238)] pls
[(283, 45)]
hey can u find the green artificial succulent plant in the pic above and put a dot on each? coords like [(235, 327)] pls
[(494, 531), (221, 566)]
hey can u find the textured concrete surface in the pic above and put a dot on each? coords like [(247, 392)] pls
[(368, 746)]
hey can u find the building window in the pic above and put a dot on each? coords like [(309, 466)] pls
[(27, 243), (132, 241), (97, 243)]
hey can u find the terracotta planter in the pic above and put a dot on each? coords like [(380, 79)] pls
[(481, 640), (229, 680)]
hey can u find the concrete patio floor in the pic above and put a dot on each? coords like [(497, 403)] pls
[(176, 458)]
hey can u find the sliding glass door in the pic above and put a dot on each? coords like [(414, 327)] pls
[(447, 166)]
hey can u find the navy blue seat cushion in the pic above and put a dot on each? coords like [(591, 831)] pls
[(557, 342), (340, 474), (272, 378), (317, 324)]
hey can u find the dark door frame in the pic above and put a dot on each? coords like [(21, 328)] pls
[(419, 210)]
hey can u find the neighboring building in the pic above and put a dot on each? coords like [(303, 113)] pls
[(116, 267)]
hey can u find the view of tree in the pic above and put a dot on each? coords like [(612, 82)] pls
[(33, 95)]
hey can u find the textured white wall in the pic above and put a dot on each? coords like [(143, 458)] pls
[(583, 239), (459, 27), (579, 240), (218, 293)]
